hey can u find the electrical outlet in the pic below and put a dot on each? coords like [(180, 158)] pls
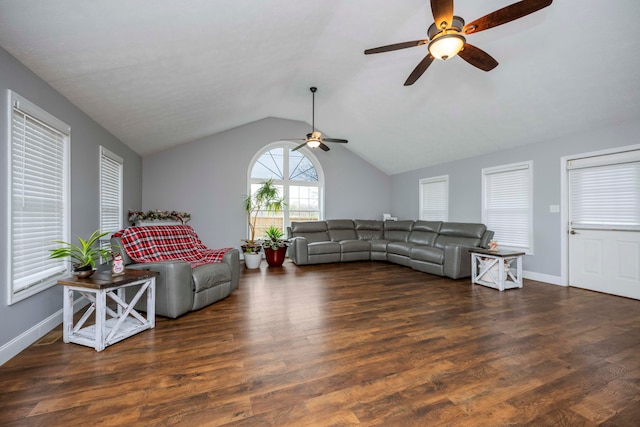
[(554, 208)]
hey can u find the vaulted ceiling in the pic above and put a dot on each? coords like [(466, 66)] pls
[(158, 73)]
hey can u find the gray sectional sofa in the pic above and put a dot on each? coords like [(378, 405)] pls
[(434, 247)]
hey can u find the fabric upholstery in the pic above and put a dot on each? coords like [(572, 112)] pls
[(167, 243)]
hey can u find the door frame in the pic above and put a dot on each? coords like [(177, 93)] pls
[(564, 203)]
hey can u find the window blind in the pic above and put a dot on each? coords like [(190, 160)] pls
[(605, 196), (507, 204), (111, 168), (434, 199), (38, 164)]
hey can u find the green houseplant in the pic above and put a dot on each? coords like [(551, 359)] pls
[(265, 199), (275, 247), (83, 256)]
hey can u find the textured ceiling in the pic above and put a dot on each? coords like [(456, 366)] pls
[(158, 73)]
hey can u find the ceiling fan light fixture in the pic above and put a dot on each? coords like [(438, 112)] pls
[(313, 143), (314, 139), (446, 46)]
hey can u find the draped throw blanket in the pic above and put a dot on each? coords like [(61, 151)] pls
[(168, 243)]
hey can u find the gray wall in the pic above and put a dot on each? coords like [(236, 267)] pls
[(465, 186), (208, 178), (86, 138)]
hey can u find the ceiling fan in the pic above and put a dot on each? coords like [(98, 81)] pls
[(315, 138), (446, 35)]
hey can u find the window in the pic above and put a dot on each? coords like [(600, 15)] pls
[(507, 194), (299, 177), (434, 198), (111, 168), (38, 198), (605, 191)]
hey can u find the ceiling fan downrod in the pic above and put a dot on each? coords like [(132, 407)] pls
[(313, 90)]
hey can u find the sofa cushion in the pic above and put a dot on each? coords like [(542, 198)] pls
[(400, 248), (210, 275), (369, 229), (339, 235), (355, 246), (340, 224), (425, 232), (318, 248), (378, 245), (313, 231), (397, 230), (427, 253), (456, 233), (341, 229), (463, 229)]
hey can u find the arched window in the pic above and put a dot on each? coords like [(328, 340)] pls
[(299, 176)]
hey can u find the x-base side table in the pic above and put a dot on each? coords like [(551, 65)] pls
[(110, 325), (494, 268)]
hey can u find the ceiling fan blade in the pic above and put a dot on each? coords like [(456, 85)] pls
[(324, 147), (419, 70), (299, 146), (478, 57), (506, 14), (344, 141), (395, 46), (442, 12), (292, 139)]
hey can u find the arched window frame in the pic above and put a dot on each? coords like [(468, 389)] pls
[(286, 183)]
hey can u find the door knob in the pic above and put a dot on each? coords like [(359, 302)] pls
[(573, 232)]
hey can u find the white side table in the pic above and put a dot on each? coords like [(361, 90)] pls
[(495, 269), (110, 325)]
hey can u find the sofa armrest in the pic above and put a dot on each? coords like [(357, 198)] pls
[(298, 250), (457, 261), (174, 289), (232, 257)]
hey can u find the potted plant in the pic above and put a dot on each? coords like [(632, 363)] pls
[(83, 256), (265, 199), (275, 247)]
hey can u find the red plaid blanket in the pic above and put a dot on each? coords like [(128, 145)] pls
[(167, 242)]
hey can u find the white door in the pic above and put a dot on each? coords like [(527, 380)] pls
[(605, 261), (604, 223)]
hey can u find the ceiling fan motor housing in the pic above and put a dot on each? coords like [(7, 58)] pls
[(457, 24)]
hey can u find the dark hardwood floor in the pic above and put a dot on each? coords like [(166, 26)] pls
[(371, 344)]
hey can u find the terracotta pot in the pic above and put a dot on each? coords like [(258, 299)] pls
[(275, 257)]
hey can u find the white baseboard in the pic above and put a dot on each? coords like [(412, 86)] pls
[(33, 334), (546, 278)]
